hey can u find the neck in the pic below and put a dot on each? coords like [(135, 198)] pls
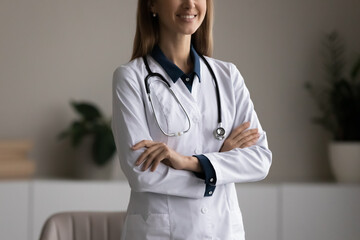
[(178, 51)]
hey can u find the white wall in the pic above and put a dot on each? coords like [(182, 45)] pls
[(54, 51), (276, 45)]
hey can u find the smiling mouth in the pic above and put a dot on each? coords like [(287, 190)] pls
[(187, 16)]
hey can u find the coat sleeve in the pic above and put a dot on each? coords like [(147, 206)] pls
[(129, 127), (247, 164)]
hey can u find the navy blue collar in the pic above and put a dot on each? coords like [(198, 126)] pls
[(170, 68)]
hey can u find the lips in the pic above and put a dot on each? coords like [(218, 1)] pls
[(187, 16)]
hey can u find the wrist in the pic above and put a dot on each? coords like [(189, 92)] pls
[(193, 164)]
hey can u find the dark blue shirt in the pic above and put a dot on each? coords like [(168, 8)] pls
[(175, 73)]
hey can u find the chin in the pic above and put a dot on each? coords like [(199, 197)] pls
[(189, 31)]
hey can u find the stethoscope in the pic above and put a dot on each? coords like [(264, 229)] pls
[(219, 132)]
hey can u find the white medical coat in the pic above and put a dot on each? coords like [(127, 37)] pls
[(168, 203)]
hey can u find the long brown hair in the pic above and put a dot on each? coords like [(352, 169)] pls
[(147, 31)]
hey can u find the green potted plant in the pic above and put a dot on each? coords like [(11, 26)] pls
[(95, 129), (338, 99)]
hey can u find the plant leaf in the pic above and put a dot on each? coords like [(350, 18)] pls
[(355, 69), (104, 145), (78, 131), (88, 111)]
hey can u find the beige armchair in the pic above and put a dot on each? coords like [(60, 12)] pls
[(83, 226)]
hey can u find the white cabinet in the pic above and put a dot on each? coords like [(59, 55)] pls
[(50, 197), (330, 212), (14, 210), (259, 205), (270, 211)]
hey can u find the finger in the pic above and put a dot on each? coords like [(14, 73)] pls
[(250, 142), (155, 165), (156, 156), (239, 129), (245, 134), (143, 143), (247, 139), (146, 154), (159, 158)]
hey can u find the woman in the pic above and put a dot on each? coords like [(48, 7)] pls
[(182, 172)]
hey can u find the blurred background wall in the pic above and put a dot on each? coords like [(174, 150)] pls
[(52, 52)]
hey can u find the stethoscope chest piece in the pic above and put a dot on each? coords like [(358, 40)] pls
[(219, 133)]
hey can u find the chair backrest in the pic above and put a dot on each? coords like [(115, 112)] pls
[(83, 226)]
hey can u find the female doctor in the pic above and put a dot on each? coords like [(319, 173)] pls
[(185, 128)]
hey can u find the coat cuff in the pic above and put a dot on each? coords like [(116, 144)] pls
[(208, 174)]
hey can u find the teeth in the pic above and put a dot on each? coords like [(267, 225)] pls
[(187, 16)]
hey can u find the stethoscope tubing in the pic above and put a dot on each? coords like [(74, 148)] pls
[(183, 109), (219, 132), (216, 88)]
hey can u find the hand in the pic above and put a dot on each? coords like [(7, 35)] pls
[(157, 152), (241, 138)]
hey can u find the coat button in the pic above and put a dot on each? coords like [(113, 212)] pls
[(211, 180), (204, 210)]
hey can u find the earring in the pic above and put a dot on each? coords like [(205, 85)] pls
[(154, 14)]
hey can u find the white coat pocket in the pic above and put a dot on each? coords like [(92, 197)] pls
[(170, 114), (155, 226)]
